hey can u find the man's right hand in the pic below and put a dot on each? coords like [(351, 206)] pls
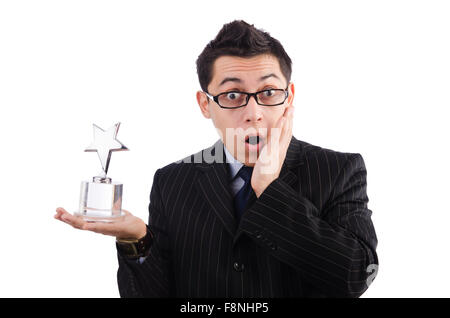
[(127, 227)]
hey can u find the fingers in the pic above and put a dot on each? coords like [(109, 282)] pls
[(286, 133), (287, 117), (81, 224), (119, 227), (66, 217), (284, 126), (280, 135), (59, 212), (288, 111)]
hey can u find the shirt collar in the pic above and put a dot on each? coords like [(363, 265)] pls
[(234, 164)]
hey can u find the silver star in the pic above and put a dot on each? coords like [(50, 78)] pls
[(104, 143)]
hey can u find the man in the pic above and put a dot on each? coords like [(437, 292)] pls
[(278, 218)]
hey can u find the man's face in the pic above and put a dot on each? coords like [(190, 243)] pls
[(250, 75)]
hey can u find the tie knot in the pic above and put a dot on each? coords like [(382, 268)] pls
[(245, 173)]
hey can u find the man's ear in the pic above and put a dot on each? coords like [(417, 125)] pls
[(203, 103), (291, 90)]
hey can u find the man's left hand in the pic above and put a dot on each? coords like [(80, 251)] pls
[(268, 166)]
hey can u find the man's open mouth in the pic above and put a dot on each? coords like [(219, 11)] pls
[(252, 140)]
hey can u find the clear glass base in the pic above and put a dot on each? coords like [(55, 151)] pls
[(100, 202), (90, 215)]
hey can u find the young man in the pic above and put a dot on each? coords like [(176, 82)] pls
[(278, 218)]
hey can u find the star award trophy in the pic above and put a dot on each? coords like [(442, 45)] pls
[(101, 199)]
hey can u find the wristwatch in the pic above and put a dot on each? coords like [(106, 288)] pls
[(133, 248)]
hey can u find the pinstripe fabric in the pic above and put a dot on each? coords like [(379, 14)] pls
[(308, 235)]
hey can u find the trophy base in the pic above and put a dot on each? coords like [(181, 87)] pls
[(99, 216), (100, 201)]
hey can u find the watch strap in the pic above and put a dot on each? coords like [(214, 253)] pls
[(133, 248)]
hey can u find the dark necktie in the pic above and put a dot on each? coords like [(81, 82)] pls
[(241, 198)]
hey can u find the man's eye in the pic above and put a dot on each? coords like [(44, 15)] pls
[(233, 95), (269, 93)]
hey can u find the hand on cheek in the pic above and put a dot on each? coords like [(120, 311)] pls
[(268, 166)]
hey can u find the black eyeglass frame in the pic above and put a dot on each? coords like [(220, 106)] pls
[(216, 98)]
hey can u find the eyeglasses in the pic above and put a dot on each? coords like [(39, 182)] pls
[(236, 99)]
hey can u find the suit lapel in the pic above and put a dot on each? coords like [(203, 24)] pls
[(293, 159), (213, 183)]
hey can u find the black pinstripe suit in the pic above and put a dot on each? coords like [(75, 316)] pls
[(308, 235)]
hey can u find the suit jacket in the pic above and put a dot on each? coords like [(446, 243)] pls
[(309, 234)]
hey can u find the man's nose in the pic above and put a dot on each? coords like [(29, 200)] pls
[(253, 111)]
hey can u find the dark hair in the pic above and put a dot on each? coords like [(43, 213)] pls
[(238, 38)]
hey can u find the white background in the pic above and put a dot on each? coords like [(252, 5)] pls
[(371, 77)]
